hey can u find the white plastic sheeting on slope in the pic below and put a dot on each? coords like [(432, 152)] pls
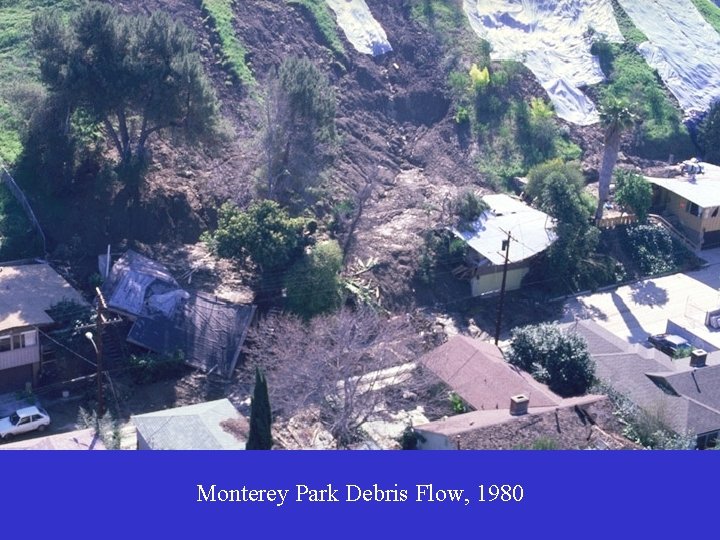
[(682, 46), (360, 27), (551, 38)]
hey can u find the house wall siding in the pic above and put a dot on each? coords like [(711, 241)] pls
[(697, 224), (20, 357), (492, 282)]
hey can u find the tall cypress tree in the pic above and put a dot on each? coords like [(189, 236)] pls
[(260, 416)]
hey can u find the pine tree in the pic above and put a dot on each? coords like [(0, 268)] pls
[(260, 416)]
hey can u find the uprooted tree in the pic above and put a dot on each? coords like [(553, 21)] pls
[(337, 364), (135, 76)]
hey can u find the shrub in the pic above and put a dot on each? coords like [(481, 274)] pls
[(633, 192), (480, 78), (150, 368), (538, 176), (265, 232), (467, 208), (652, 248), (313, 283), (559, 359)]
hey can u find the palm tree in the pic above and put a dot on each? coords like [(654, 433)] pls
[(616, 117)]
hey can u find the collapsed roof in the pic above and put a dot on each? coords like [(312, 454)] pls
[(207, 332)]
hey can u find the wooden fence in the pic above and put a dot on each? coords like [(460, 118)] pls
[(612, 222)]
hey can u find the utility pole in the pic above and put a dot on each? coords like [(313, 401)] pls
[(99, 323), (498, 320)]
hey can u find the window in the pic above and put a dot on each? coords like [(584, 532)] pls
[(25, 420), (30, 339), (18, 341), (692, 208), (715, 212), (5, 343)]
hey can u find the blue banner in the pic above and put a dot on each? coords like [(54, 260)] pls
[(518, 494)]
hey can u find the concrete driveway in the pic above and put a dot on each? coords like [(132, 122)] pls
[(634, 311)]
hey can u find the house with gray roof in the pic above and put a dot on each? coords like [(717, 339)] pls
[(214, 425), (531, 233), (683, 393), (206, 331)]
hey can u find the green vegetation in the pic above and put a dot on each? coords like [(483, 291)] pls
[(654, 249), (17, 237), (447, 21), (313, 283), (709, 135), (558, 359), (148, 80), (221, 15), (631, 79), (299, 132), (260, 437), (572, 261), (649, 428), (150, 368), (440, 254), (616, 117), (467, 208), (710, 12), (264, 232), (19, 68), (633, 193), (538, 176), (324, 22)]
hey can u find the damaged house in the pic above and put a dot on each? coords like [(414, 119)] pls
[(206, 331), (531, 232)]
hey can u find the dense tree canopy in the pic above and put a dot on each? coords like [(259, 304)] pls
[(558, 191), (558, 358), (134, 75), (264, 232)]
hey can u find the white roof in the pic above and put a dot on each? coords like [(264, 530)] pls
[(704, 191), (532, 230)]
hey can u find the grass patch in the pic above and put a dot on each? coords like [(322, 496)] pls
[(710, 12), (441, 16), (662, 132), (18, 65), (221, 16), (324, 21)]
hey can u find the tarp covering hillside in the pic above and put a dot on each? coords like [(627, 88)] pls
[(360, 27), (682, 46), (551, 38)]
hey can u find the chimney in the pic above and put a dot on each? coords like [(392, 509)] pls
[(698, 358), (519, 404)]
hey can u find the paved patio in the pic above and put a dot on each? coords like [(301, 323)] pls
[(634, 311)]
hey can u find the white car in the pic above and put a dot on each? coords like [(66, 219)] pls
[(24, 420)]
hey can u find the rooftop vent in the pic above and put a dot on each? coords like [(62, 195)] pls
[(698, 358), (519, 405)]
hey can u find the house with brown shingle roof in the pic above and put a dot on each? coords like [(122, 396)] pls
[(478, 373), (27, 292)]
